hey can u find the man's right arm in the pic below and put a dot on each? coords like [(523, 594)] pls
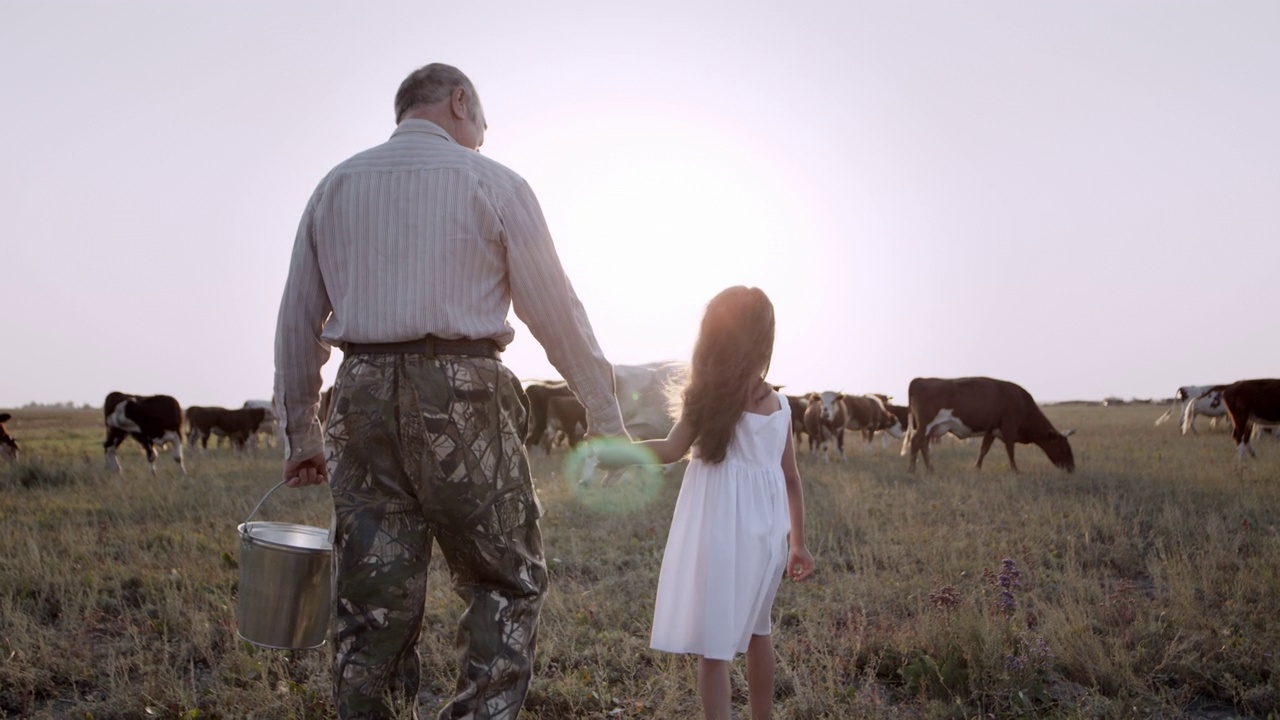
[(299, 350), (543, 298)]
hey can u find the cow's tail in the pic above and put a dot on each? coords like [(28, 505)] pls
[(1167, 414), (906, 436)]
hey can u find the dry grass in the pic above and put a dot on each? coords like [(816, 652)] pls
[(1147, 586)]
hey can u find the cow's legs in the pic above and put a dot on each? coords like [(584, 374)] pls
[(919, 444), (115, 436), (1008, 448), (151, 451), (839, 433), (987, 440), (1242, 441), (175, 437), (1189, 418), (1240, 430)]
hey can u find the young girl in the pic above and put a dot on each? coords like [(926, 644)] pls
[(739, 520)]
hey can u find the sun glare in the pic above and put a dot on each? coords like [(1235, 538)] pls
[(682, 211)]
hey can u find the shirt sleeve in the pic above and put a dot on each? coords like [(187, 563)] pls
[(543, 298), (299, 350)]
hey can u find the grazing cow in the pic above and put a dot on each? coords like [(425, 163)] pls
[(236, 425), (798, 404), (151, 420), (824, 421), (540, 393), (269, 430), (868, 414), (8, 446), (968, 407), (566, 416), (1185, 394), (901, 417), (1251, 403), (1208, 403)]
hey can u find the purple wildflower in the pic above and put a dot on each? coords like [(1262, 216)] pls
[(1010, 577)]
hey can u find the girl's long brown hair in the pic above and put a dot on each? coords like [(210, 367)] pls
[(730, 358)]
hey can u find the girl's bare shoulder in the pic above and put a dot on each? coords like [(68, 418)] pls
[(765, 401)]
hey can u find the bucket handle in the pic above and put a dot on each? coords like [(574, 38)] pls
[(259, 505)]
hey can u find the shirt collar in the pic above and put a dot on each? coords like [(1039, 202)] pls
[(415, 125)]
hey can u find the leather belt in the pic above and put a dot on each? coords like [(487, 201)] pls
[(431, 346)]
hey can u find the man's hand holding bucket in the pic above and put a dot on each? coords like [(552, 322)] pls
[(311, 471)]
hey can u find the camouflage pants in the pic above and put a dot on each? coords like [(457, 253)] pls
[(425, 450)]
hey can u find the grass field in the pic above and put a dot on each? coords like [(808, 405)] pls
[(1144, 585)]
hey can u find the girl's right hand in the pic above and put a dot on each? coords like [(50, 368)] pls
[(799, 564)]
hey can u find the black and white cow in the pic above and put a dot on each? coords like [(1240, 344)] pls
[(8, 446), (1208, 403), (1181, 400), (151, 420)]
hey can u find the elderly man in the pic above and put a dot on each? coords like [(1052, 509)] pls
[(408, 257)]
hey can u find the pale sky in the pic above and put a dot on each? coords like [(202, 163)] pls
[(1079, 196)]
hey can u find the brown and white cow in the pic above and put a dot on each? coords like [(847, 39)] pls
[(8, 446), (798, 404), (1250, 403), (151, 420), (869, 414), (236, 425), (973, 406), (824, 421)]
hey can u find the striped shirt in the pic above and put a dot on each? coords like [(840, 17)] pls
[(422, 236)]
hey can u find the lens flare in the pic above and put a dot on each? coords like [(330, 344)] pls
[(631, 487)]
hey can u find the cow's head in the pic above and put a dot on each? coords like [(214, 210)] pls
[(1058, 449), (832, 405), (8, 446)]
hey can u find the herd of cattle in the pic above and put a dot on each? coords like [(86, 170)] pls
[(157, 420), (963, 407)]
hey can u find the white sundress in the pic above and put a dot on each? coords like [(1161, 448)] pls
[(727, 548)]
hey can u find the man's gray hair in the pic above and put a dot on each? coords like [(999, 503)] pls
[(429, 85)]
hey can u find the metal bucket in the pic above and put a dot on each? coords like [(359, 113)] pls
[(285, 583)]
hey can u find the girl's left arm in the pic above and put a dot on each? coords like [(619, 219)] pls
[(800, 563)]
